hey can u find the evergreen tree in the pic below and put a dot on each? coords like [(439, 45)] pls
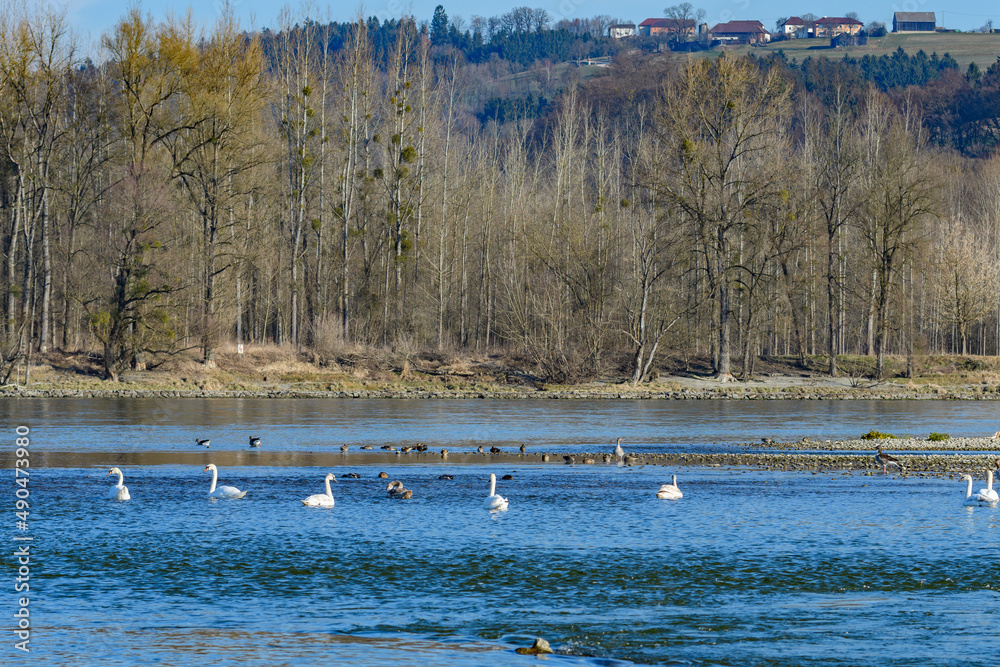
[(439, 27)]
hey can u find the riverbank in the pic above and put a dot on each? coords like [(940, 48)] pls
[(269, 372), (667, 388)]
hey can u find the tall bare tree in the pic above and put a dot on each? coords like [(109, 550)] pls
[(221, 95), (899, 194), (717, 121), (149, 64)]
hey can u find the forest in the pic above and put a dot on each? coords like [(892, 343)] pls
[(335, 186)]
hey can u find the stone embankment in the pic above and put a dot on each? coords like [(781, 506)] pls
[(919, 458), (701, 390)]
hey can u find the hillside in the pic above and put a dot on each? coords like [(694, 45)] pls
[(982, 49)]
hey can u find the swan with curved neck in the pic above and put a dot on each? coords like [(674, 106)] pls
[(222, 491), (397, 491), (119, 491), (670, 491), (495, 501), (322, 499), (975, 499), (988, 492)]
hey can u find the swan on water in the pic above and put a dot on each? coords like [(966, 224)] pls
[(977, 499), (619, 452), (222, 491), (254, 441), (322, 499), (670, 491), (119, 491), (988, 492), (397, 491), (495, 501), (883, 459)]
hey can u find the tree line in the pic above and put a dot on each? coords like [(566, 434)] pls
[(193, 190)]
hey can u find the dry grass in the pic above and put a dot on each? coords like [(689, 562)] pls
[(350, 367)]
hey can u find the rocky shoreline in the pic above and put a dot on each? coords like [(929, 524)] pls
[(608, 392), (926, 459)]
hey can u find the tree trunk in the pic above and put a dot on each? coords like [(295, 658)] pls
[(45, 333)]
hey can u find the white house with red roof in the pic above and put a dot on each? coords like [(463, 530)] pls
[(794, 27)]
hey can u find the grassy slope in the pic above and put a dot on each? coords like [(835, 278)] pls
[(982, 49)]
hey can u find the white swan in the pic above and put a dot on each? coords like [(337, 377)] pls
[(222, 491), (495, 502), (670, 491), (977, 499), (322, 499), (119, 491), (619, 452), (988, 492)]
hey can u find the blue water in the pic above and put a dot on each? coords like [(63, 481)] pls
[(137, 425), (749, 568)]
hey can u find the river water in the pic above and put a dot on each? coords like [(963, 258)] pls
[(295, 425), (749, 568)]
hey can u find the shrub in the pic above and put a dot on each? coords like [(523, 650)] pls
[(877, 435), (974, 365), (937, 437)]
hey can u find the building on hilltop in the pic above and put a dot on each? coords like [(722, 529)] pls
[(831, 26), (680, 29), (794, 28), (621, 30), (914, 22), (741, 32)]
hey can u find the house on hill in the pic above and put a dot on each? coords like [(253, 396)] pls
[(741, 32), (794, 28), (831, 26), (621, 30), (682, 29), (914, 22)]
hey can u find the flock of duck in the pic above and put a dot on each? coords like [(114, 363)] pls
[(986, 496)]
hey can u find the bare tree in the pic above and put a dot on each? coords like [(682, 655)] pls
[(832, 144), (719, 118), (650, 281), (898, 195), (356, 87), (685, 19), (215, 145), (128, 318), (36, 56)]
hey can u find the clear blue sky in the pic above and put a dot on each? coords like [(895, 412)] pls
[(93, 17)]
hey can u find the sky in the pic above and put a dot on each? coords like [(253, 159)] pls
[(91, 18)]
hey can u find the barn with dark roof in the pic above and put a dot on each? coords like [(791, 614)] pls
[(913, 22)]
